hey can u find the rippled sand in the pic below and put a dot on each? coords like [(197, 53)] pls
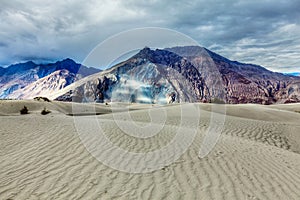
[(43, 157)]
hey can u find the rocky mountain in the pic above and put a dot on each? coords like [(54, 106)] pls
[(47, 85), (15, 78), (184, 74), (242, 83)]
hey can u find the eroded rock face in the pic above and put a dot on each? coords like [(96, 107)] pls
[(151, 76), (187, 74), (241, 83), (289, 93)]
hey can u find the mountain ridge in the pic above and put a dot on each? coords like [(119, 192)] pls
[(177, 74), (188, 74), (17, 76)]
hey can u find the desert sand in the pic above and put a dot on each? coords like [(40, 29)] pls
[(42, 156)]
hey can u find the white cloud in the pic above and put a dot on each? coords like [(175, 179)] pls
[(278, 51), (261, 32)]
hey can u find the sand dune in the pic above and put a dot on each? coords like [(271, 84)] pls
[(43, 157)]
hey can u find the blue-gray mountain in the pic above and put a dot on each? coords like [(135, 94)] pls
[(16, 81), (184, 74), (293, 73)]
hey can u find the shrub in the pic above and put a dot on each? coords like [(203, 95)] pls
[(42, 99), (46, 99), (45, 111), (24, 111)]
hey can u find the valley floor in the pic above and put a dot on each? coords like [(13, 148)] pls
[(43, 157)]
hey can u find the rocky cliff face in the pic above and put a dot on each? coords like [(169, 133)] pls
[(151, 76), (185, 74), (241, 83)]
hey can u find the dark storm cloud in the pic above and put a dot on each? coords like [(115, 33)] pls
[(2, 44), (263, 32)]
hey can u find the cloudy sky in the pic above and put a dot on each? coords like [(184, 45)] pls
[(264, 32)]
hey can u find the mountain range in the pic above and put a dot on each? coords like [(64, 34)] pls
[(178, 74), (293, 73), (26, 80)]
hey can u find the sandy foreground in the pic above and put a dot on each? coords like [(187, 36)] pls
[(257, 155)]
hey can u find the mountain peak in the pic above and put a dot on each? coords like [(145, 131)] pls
[(67, 61), (30, 63), (145, 53), (146, 49), (159, 56), (189, 73)]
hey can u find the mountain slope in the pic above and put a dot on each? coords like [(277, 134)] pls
[(46, 85), (184, 74), (151, 76), (242, 83), (18, 76)]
